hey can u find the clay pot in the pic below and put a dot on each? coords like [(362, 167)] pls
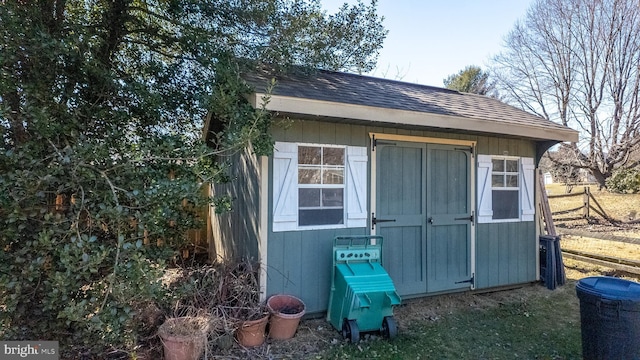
[(183, 338), (252, 332), (286, 311)]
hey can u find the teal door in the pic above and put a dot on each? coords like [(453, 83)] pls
[(449, 218), (400, 215), (423, 211)]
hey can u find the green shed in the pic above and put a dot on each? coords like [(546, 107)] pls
[(447, 178)]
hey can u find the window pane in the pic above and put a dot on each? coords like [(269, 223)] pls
[(505, 204), (308, 176), (498, 164), (332, 197), (512, 180), (333, 156), (333, 176), (309, 155), (309, 197), (512, 165), (320, 217), (497, 180)]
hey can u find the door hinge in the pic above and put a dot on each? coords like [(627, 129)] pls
[(470, 281), (469, 149), (470, 218), (375, 142), (375, 220)]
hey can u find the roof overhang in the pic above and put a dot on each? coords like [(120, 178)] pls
[(321, 108)]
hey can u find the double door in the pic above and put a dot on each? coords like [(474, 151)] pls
[(424, 212)]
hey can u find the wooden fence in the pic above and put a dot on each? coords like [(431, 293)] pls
[(584, 210)]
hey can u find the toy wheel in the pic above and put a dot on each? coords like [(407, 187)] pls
[(389, 327), (350, 330)]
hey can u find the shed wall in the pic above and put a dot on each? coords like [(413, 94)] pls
[(299, 262), (235, 233)]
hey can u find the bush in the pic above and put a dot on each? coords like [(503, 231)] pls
[(625, 181), (85, 241)]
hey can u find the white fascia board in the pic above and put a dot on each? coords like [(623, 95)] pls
[(321, 108)]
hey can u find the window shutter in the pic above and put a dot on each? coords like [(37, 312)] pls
[(285, 193), (485, 206), (356, 183), (527, 189)]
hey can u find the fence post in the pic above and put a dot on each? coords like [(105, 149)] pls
[(585, 200)]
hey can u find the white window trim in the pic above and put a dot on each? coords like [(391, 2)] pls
[(526, 189), (325, 186), (285, 216), (518, 188)]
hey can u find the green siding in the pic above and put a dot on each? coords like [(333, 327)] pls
[(505, 254), (235, 234), (299, 262)]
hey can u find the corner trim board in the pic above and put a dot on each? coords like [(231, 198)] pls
[(263, 230)]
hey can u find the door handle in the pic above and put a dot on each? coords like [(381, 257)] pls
[(430, 220)]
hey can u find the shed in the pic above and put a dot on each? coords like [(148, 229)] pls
[(446, 177)]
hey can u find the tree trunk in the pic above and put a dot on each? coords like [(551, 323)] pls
[(601, 179)]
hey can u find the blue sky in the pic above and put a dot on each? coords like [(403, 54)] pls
[(430, 39)]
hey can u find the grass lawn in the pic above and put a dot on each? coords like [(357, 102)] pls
[(527, 323)]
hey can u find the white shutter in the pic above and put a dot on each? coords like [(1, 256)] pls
[(527, 189), (485, 203), (356, 186), (285, 193)]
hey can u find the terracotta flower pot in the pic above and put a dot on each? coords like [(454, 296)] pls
[(251, 332), (183, 338), (286, 311)]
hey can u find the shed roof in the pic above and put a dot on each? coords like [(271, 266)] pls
[(335, 95)]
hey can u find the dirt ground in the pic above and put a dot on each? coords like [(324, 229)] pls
[(316, 335)]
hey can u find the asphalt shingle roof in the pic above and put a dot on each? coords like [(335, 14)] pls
[(391, 94)]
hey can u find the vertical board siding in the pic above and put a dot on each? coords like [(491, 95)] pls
[(506, 254), (235, 234), (300, 262)]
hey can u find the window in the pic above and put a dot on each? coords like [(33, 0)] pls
[(505, 189), (319, 186)]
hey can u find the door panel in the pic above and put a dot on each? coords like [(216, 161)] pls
[(449, 218), (423, 198), (400, 198)]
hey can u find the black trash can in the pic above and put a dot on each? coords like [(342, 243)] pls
[(548, 261), (610, 318)]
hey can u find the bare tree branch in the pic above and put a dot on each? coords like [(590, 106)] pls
[(577, 62)]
